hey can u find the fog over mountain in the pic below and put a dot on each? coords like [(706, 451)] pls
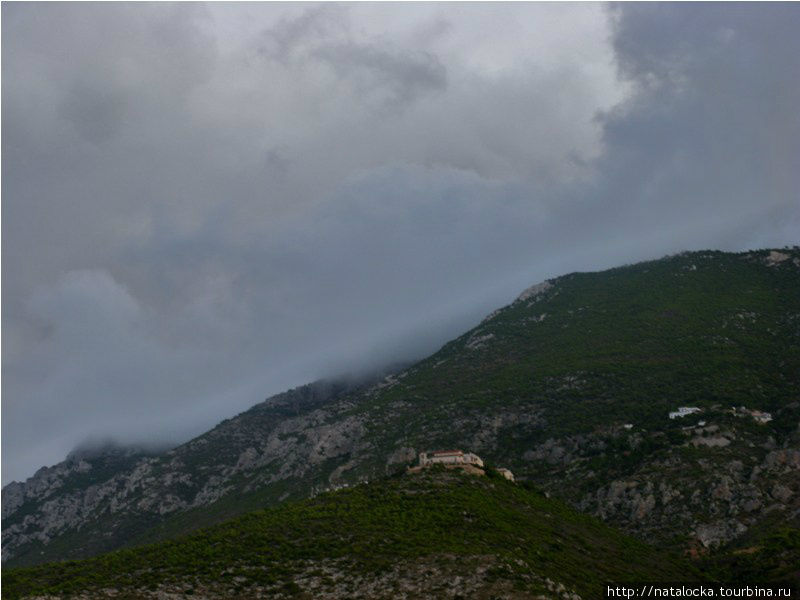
[(206, 204)]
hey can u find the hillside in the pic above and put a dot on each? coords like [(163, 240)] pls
[(437, 534), (570, 386)]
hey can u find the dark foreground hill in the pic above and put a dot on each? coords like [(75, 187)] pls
[(437, 534), (570, 386)]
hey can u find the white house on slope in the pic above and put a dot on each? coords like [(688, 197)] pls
[(683, 411)]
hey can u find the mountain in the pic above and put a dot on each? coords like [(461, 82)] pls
[(570, 386), (435, 534)]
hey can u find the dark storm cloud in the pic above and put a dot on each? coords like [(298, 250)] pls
[(206, 204), (710, 138)]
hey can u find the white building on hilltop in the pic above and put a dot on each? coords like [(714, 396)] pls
[(456, 459), (449, 457)]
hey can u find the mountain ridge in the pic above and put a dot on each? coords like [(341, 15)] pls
[(546, 385)]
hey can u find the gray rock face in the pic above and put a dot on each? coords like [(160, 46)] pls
[(45, 482), (719, 532), (715, 503), (62, 497), (533, 292), (13, 497), (312, 440), (281, 440)]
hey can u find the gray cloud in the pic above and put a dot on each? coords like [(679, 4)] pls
[(206, 204), (376, 70), (291, 35), (96, 114), (404, 75), (711, 133)]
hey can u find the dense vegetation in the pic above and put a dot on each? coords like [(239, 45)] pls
[(629, 345), (436, 517)]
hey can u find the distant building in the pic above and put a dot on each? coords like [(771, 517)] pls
[(456, 459), (449, 457), (683, 411), (759, 416)]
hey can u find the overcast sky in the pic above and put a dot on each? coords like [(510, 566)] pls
[(203, 205)]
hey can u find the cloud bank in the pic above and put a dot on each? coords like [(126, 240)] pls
[(206, 204)]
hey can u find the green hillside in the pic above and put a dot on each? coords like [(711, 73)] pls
[(626, 345), (436, 534)]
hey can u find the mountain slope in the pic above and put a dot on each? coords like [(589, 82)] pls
[(570, 386), (436, 534)]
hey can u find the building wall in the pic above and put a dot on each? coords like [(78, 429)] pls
[(466, 458)]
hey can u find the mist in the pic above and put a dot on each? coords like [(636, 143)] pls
[(207, 204)]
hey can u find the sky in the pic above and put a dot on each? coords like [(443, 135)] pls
[(206, 204)]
